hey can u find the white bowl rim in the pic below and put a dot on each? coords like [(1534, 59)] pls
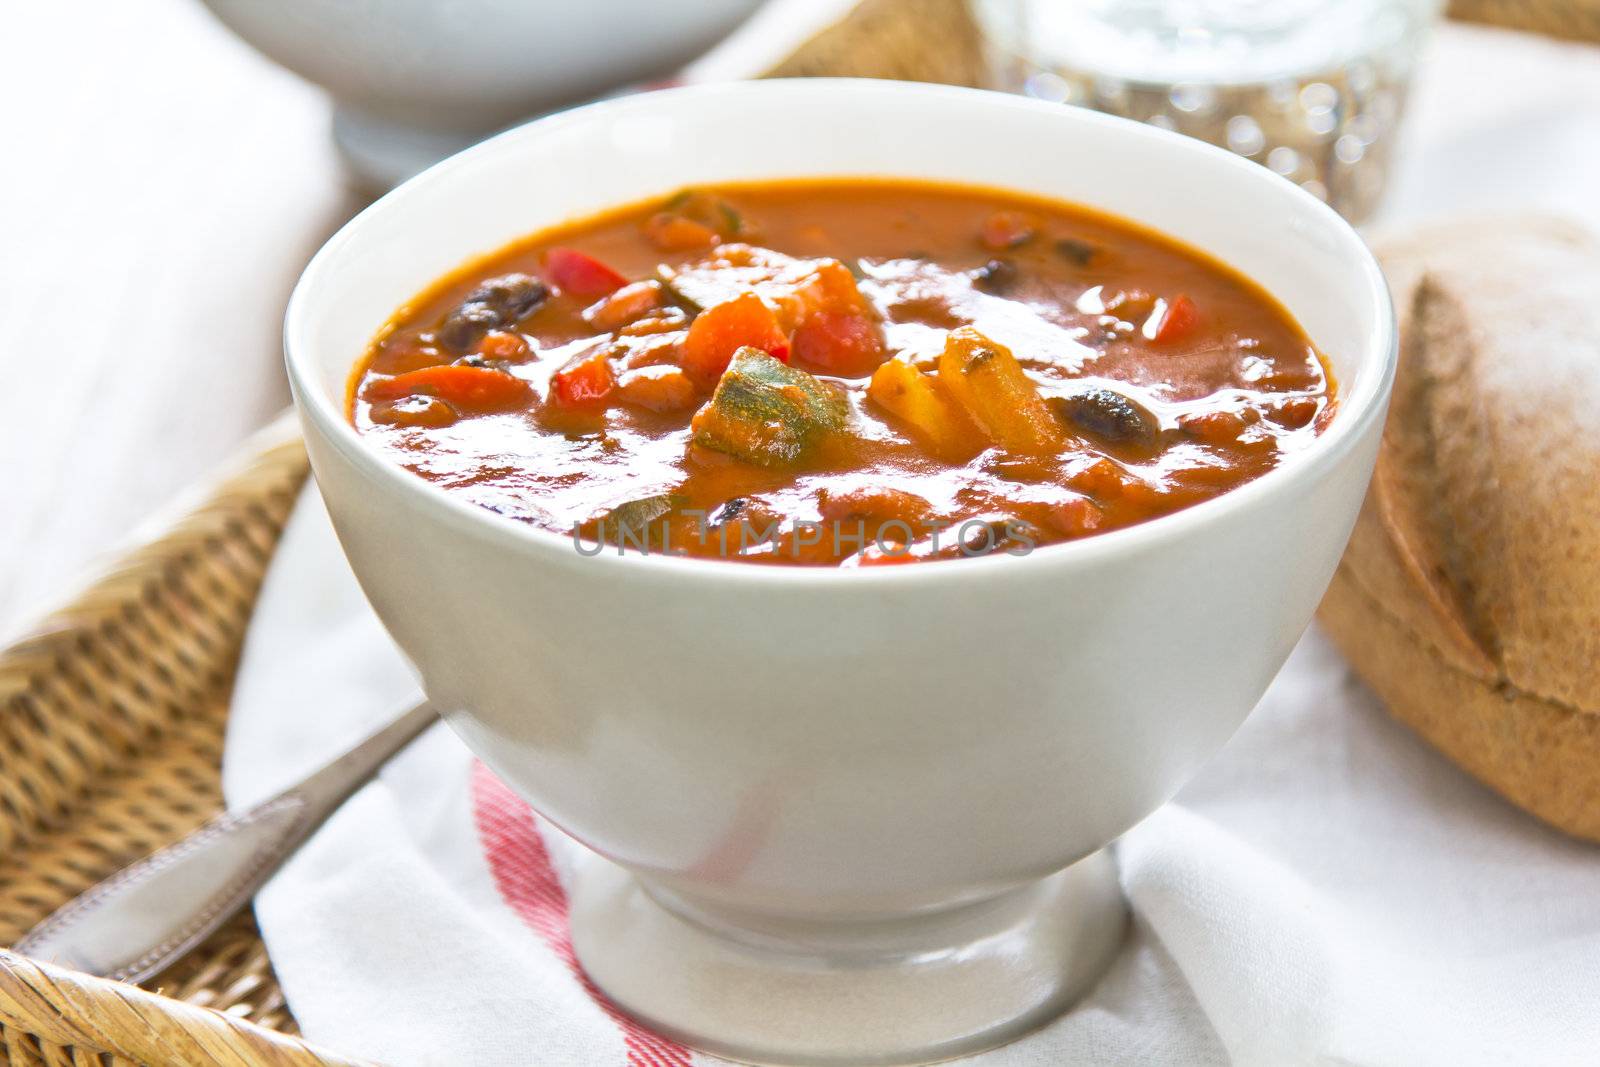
[(1356, 410)]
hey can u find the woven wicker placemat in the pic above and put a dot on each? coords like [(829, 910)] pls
[(1573, 20), (111, 721), (112, 709)]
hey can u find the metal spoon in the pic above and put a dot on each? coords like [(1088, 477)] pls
[(148, 915)]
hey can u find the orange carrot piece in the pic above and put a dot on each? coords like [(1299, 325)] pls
[(720, 331), (470, 390), (586, 379)]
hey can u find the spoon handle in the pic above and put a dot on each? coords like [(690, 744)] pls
[(135, 923)]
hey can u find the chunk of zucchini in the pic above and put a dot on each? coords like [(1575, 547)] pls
[(988, 382), (672, 281), (768, 413), (709, 210)]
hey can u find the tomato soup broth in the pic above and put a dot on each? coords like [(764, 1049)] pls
[(854, 372)]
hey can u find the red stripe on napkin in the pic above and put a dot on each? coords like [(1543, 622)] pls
[(527, 882)]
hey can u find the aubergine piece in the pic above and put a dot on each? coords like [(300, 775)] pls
[(768, 413), (637, 523)]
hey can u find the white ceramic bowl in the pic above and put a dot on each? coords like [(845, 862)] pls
[(837, 782), (415, 80)]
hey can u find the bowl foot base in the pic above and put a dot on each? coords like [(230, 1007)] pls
[(903, 991), (380, 153)]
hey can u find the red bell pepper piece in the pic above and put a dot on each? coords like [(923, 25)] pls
[(1178, 321), (721, 330), (580, 274), (585, 379), (470, 390)]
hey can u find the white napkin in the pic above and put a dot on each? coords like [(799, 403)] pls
[(1327, 891)]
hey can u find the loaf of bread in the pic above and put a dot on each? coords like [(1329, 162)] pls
[(1469, 598)]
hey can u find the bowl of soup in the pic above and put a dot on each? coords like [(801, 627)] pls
[(844, 508)]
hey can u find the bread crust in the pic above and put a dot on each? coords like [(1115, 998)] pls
[(1469, 597)]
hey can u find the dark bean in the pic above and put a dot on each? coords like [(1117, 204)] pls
[(496, 303), (477, 359), (995, 276), (464, 326), (1108, 415), (730, 511), (1005, 533), (516, 296), (1078, 252)]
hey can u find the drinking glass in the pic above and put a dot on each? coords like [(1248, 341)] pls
[(1313, 89)]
